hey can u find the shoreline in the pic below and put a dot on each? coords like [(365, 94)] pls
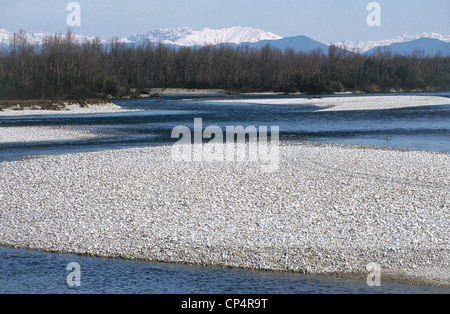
[(331, 210), (373, 102), (326, 103), (386, 275), (62, 109)]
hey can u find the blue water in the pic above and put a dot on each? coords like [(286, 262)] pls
[(26, 272), (21, 271), (424, 128)]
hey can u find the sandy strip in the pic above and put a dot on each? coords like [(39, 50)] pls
[(352, 103), (42, 134), (330, 209), (70, 109)]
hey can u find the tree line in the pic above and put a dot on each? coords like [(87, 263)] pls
[(61, 68)]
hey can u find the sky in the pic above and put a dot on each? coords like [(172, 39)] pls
[(323, 20)]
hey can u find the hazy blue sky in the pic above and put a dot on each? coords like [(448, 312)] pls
[(323, 20)]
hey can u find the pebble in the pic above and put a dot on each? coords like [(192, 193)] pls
[(42, 134), (328, 209)]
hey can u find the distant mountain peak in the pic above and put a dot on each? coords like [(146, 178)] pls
[(188, 37), (163, 35), (363, 46), (426, 45), (38, 38)]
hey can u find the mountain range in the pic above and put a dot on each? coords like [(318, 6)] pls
[(430, 44), (189, 37), (364, 46)]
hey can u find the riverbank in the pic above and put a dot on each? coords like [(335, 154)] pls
[(34, 108), (338, 102), (330, 209), (346, 103)]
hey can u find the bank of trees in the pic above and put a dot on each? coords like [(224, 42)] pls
[(64, 69)]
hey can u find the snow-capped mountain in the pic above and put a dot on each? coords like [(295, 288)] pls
[(164, 35), (363, 46), (189, 37), (4, 36), (254, 37), (37, 38), (179, 36), (427, 46), (235, 35)]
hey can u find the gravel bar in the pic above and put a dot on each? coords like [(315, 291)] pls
[(345, 103), (329, 209), (69, 109), (42, 134)]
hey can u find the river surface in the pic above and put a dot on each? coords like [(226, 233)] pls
[(423, 128), (23, 271)]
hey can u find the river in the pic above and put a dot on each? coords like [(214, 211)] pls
[(23, 271)]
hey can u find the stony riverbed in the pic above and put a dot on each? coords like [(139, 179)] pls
[(329, 209)]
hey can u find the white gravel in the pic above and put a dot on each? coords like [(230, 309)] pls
[(42, 134), (69, 109), (330, 209), (351, 103)]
